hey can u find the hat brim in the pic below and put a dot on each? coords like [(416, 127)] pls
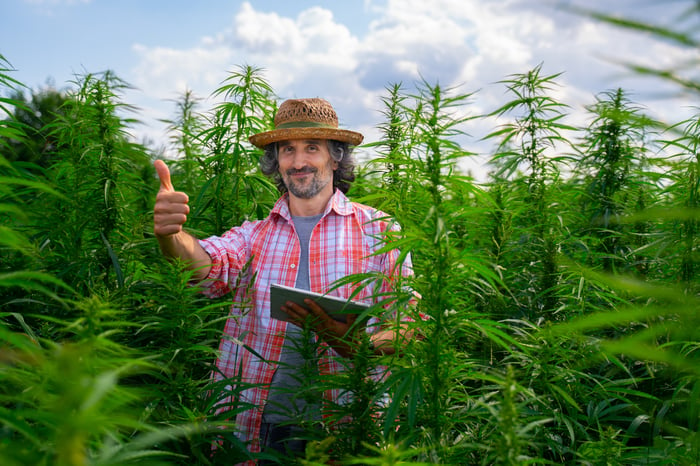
[(285, 134)]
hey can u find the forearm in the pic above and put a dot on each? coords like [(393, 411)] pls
[(382, 343), (344, 337), (387, 341), (185, 247)]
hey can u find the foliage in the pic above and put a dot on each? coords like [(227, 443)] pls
[(556, 321)]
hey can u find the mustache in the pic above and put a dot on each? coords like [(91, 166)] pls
[(294, 171)]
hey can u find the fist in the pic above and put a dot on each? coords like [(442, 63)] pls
[(171, 209)]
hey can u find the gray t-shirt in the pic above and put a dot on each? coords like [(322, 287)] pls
[(285, 399)]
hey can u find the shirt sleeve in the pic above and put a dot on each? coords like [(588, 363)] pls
[(229, 255)]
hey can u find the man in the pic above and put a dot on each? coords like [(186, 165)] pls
[(313, 236)]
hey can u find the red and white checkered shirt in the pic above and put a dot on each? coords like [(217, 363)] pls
[(342, 243)]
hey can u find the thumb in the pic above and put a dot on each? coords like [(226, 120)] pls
[(164, 176)]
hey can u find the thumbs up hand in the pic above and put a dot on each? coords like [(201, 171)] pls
[(171, 209)]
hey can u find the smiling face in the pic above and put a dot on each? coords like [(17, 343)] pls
[(306, 168)]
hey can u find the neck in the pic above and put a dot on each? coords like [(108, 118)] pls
[(310, 207)]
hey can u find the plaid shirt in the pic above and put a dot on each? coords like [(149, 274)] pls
[(342, 243)]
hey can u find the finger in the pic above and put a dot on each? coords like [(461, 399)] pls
[(167, 229), (313, 307), (315, 310), (296, 310), (172, 201), (170, 219), (295, 316), (163, 175)]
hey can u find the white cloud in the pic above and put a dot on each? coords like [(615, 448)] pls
[(260, 32), (163, 71), (306, 49), (471, 44), (303, 56)]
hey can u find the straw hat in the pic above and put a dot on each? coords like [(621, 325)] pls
[(305, 119)]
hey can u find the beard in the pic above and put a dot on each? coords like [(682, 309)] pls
[(308, 188)]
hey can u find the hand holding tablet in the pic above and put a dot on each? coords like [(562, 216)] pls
[(336, 307)]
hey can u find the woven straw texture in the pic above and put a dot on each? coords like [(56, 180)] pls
[(306, 119)]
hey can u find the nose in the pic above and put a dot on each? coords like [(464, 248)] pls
[(298, 157), (298, 160)]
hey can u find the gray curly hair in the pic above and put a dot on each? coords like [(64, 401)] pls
[(341, 152)]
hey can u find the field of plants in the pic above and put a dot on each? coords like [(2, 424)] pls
[(561, 295)]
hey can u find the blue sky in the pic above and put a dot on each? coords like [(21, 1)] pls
[(346, 51)]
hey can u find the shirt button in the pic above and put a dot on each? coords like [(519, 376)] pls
[(293, 265)]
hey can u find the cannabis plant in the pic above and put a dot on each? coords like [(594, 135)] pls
[(532, 141)]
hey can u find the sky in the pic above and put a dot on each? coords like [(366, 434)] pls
[(347, 51)]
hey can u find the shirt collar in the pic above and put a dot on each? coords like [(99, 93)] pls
[(338, 203)]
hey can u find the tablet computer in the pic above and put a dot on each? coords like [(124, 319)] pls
[(336, 307)]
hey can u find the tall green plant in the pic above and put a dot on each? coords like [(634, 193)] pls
[(17, 251), (233, 189), (179, 329), (685, 191), (428, 204), (61, 398), (95, 168), (184, 130), (434, 155), (612, 151), (393, 149), (530, 141)]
